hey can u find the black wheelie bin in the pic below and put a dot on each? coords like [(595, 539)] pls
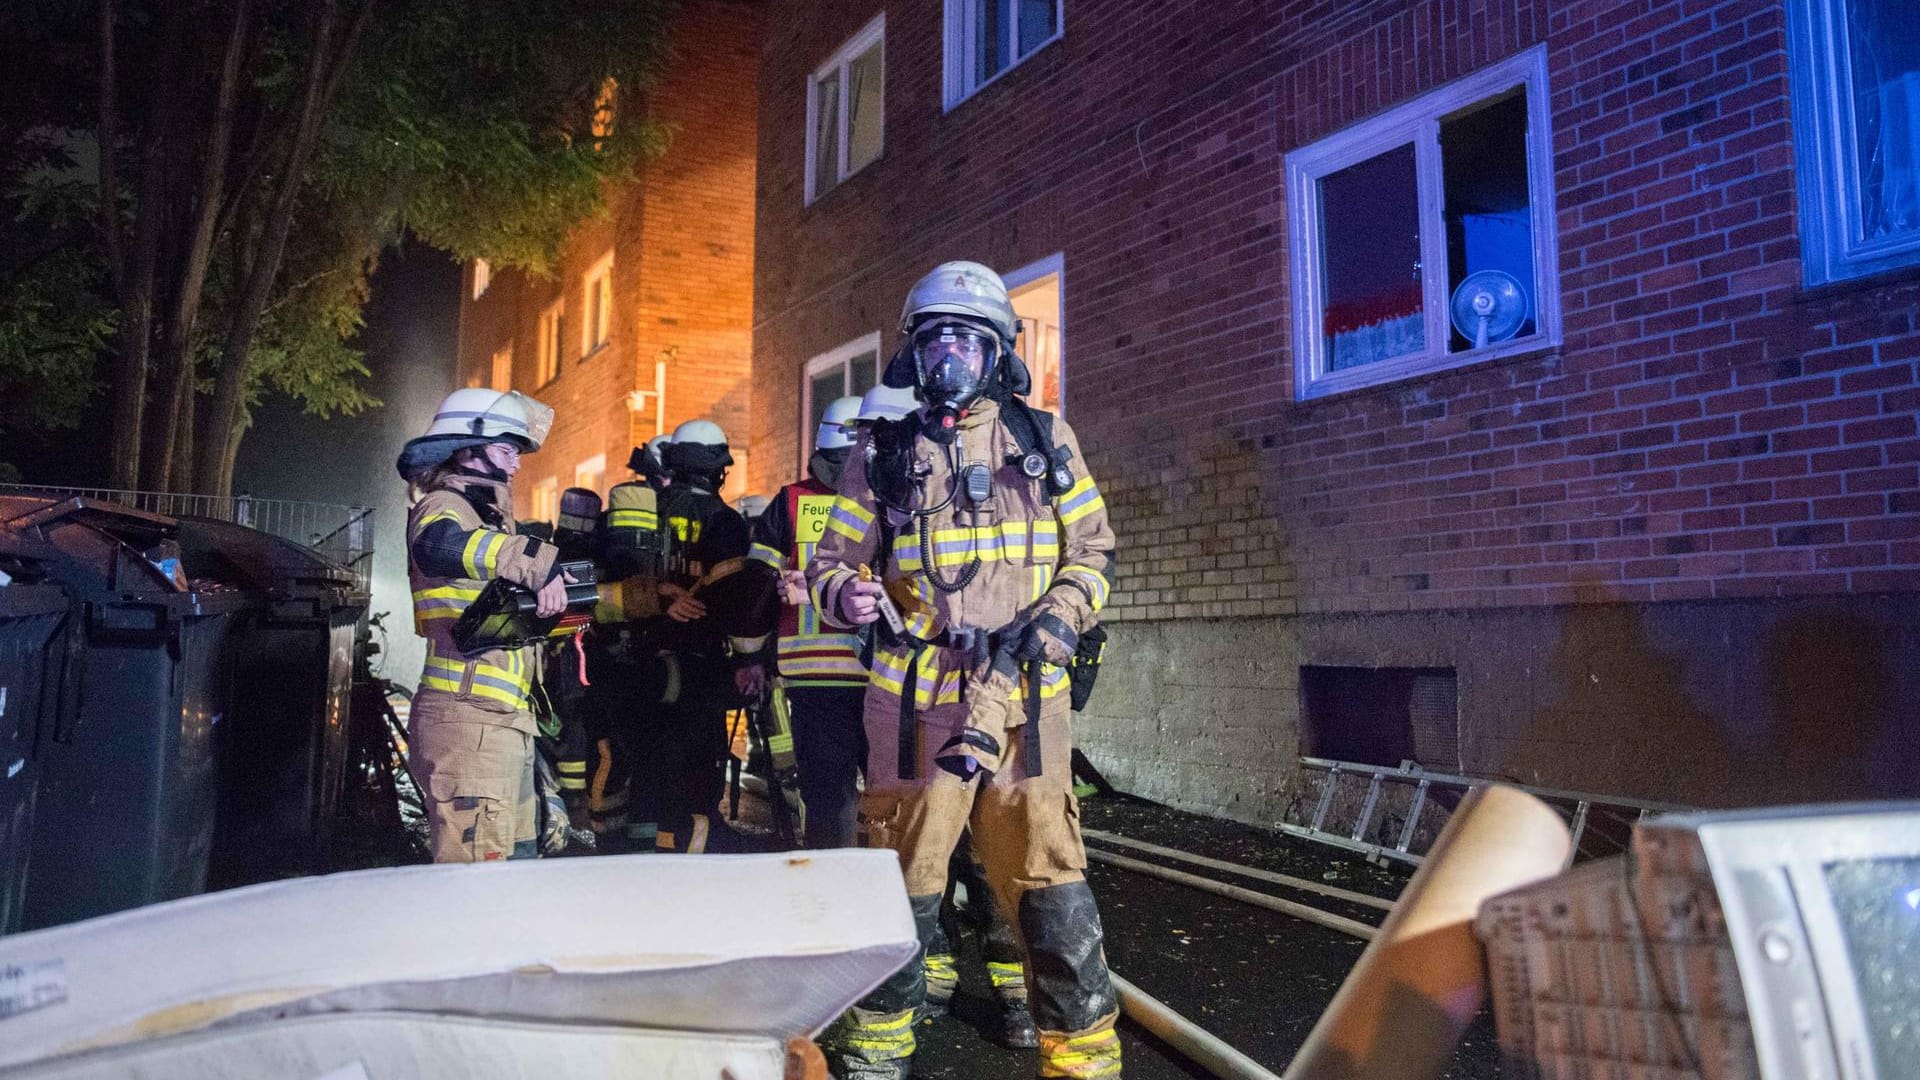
[(127, 781), (33, 645), (282, 751)]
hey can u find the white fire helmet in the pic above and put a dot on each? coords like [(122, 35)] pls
[(836, 424), (699, 433), (493, 414), (887, 403)]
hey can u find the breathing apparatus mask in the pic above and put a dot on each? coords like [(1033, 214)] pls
[(954, 363), (699, 464)]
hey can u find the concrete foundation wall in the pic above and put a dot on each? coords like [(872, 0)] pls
[(1717, 703)]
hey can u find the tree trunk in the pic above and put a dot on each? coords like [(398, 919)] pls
[(133, 272), (226, 416), (175, 398)]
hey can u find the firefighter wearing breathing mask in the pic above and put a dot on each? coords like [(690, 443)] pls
[(1000, 557), (471, 727)]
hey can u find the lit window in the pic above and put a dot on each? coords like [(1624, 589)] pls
[(482, 277), (846, 110), (605, 104), (549, 345), (476, 380), (986, 38), (503, 369), (591, 473), (1856, 111), (596, 305), (1037, 298), (1424, 237), (850, 370), (546, 500)]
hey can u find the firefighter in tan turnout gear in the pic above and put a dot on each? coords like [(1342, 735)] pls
[(471, 727), (1000, 557)]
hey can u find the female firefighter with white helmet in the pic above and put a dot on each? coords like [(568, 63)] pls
[(999, 558), (471, 726)]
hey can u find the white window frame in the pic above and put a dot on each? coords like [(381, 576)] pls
[(840, 357), (482, 277), (594, 466), (962, 31), (1418, 122), (502, 363), (545, 493), (596, 334), (1823, 127), (547, 348), (870, 35), (1054, 264)]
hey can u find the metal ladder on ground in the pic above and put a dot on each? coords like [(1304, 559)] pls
[(1412, 791)]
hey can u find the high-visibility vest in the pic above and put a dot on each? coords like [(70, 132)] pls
[(809, 651)]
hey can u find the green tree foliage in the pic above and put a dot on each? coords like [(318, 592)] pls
[(236, 167)]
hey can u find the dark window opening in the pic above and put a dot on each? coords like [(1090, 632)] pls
[(1381, 716), (1483, 155)]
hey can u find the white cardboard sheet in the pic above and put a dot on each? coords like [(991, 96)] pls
[(766, 947)]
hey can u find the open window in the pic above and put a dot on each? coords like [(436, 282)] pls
[(1424, 238), (846, 110), (503, 369)]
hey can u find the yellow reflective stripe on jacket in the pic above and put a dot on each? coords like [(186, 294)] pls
[(814, 657), (1092, 580), (848, 519), (509, 684), (483, 551), (629, 518), (442, 602), (1011, 541), (1080, 500), (443, 514), (769, 555), (930, 688)]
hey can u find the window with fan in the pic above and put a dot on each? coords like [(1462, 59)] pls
[(1423, 238), (1856, 112)]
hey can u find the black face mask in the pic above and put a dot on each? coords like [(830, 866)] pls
[(827, 465)]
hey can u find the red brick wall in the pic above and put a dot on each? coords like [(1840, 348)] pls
[(681, 234), (1711, 428)]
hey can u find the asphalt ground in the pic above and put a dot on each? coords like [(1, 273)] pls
[(1256, 978)]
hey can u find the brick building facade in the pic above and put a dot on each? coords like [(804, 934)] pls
[(675, 254), (1663, 543)]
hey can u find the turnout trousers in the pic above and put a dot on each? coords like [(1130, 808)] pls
[(1025, 825), (476, 766)]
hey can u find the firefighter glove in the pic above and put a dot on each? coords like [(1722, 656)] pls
[(1048, 638)]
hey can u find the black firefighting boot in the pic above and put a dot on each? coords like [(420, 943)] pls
[(1072, 997), (942, 973), (874, 1039)]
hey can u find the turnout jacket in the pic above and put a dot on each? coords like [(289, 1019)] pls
[(1035, 551), (459, 537), (807, 651)]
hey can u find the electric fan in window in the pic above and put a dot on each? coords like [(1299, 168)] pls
[(1488, 306)]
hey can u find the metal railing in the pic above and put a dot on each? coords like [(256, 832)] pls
[(340, 532)]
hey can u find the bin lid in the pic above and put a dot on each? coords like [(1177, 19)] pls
[(758, 945), (249, 558), (93, 546)]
